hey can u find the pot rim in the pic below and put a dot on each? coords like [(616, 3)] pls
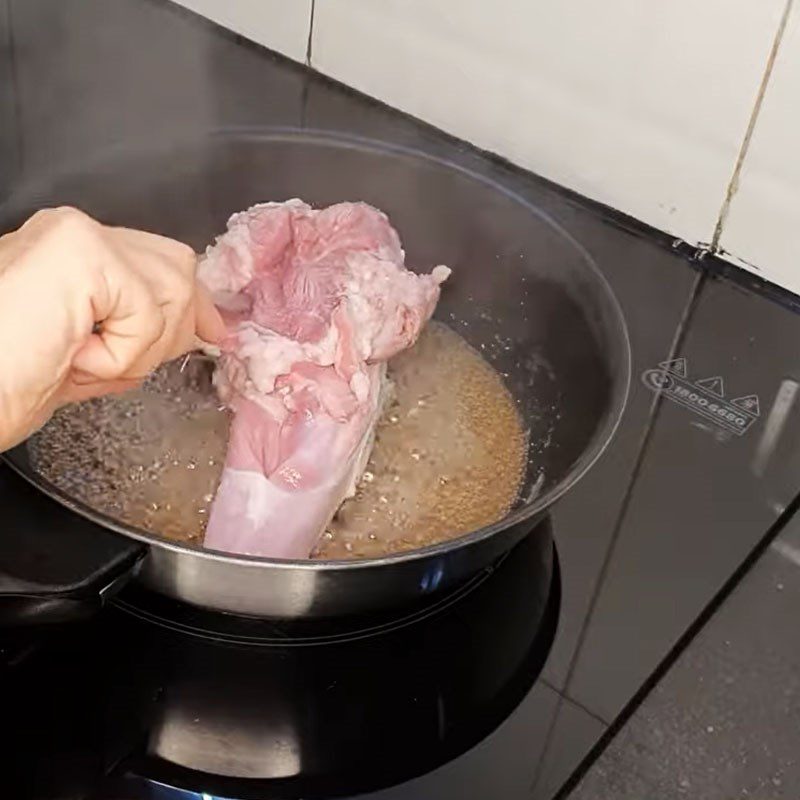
[(597, 445)]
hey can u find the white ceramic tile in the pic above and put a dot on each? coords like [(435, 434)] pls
[(281, 25), (641, 105), (763, 227)]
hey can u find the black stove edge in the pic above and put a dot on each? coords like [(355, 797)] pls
[(678, 648), (718, 268), (700, 256)]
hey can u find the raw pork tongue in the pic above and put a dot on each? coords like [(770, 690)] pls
[(315, 303)]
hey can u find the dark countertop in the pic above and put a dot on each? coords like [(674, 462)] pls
[(725, 720), (646, 541)]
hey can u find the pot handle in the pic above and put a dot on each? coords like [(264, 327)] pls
[(55, 566)]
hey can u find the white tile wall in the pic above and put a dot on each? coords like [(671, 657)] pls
[(640, 105), (281, 25), (763, 226)]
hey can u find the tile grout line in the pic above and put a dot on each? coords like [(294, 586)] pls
[(310, 42), (572, 701), (733, 184), (677, 650), (309, 70)]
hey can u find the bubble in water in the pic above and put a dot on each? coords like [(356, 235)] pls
[(454, 465), (128, 456), (153, 457)]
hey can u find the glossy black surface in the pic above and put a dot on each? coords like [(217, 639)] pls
[(645, 541), (250, 708), (44, 579), (725, 721), (699, 504)]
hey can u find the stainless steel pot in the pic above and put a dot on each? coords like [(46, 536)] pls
[(523, 291)]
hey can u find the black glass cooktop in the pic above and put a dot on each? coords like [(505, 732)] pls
[(153, 692), (470, 700)]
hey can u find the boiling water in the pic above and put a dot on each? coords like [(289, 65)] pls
[(449, 453), (151, 457), (448, 457)]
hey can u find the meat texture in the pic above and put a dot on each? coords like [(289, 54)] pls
[(315, 302)]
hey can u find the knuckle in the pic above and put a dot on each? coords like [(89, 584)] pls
[(71, 225), (186, 254), (71, 219), (182, 257)]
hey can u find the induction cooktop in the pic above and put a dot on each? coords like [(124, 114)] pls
[(478, 697)]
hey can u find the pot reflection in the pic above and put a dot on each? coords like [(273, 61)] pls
[(340, 707), (222, 741)]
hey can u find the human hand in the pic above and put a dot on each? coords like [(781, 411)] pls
[(87, 310)]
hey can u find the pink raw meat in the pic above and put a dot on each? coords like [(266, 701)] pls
[(315, 303)]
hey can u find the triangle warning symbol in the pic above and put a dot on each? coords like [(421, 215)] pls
[(712, 385), (677, 367), (748, 403)]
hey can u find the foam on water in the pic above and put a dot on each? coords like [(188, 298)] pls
[(449, 454)]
